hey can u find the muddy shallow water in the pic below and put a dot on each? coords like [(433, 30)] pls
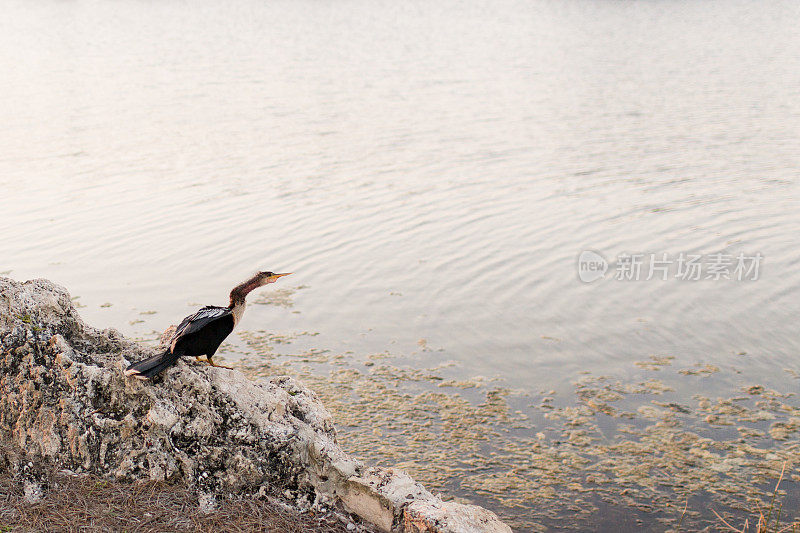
[(432, 174)]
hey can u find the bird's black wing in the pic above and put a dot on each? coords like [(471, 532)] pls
[(203, 332), (197, 320)]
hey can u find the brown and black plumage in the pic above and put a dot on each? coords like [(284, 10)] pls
[(202, 332)]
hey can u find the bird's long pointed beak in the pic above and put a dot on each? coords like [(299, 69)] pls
[(276, 276)]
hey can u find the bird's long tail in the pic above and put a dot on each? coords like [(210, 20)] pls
[(152, 366)]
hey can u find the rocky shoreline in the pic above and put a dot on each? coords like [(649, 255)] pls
[(65, 404)]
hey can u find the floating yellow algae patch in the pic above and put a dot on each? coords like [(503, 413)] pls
[(655, 362), (700, 370), (470, 383), (550, 460), (795, 374), (279, 297), (782, 430)]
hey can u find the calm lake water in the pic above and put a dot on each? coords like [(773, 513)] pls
[(430, 171)]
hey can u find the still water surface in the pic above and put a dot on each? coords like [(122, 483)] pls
[(429, 170)]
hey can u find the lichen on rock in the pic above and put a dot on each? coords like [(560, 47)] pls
[(66, 404)]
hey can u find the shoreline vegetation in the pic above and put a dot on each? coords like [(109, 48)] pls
[(92, 504)]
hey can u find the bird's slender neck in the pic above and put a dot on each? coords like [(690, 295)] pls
[(240, 292)]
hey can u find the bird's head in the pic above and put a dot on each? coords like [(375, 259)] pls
[(269, 277), (240, 292)]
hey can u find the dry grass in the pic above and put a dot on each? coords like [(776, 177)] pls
[(764, 524), (89, 504)]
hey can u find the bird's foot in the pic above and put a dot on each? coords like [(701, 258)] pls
[(215, 365)]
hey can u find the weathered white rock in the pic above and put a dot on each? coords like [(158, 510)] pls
[(425, 515), (65, 403), (32, 492)]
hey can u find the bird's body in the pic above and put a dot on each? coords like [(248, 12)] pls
[(202, 333)]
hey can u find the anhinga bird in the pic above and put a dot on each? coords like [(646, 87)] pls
[(203, 332)]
